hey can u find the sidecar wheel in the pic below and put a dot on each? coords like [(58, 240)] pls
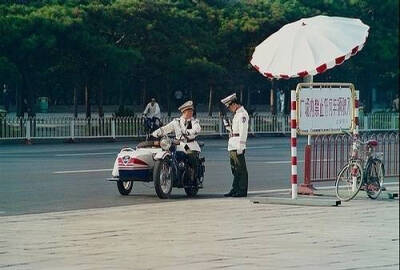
[(124, 187), (191, 191), (162, 177)]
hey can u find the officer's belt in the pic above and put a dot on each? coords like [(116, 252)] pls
[(234, 135)]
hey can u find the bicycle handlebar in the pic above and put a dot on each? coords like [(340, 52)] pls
[(354, 137)]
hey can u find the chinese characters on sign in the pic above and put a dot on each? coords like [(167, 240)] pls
[(327, 109)]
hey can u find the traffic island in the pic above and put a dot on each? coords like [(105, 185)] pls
[(298, 201), (389, 195)]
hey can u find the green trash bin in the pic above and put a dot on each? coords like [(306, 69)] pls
[(43, 104)]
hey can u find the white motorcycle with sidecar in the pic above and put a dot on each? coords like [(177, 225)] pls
[(162, 161)]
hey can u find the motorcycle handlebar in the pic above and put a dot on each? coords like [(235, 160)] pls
[(176, 142)]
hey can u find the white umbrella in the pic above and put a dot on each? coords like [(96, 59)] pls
[(309, 46)]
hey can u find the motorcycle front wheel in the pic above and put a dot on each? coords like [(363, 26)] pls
[(163, 178)]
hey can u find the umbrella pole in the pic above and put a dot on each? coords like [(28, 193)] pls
[(271, 98), (307, 188)]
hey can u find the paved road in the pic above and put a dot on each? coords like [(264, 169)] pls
[(56, 177)]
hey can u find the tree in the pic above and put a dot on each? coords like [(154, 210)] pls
[(121, 51)]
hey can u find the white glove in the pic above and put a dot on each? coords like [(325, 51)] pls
[(226, 123), (157, 133), (239, 151)]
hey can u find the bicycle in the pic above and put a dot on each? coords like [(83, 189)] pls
[(361, 173), (150, 124)]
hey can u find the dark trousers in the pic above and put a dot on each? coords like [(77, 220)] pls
[(193, 160), (239, 171)]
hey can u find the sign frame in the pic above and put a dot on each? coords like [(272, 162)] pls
[(324, 85)]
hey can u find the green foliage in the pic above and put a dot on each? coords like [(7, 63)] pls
[(8, 72), (117, 47)]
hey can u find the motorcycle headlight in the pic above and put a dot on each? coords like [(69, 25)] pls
[(165, 143)]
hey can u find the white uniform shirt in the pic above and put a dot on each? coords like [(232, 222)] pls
[(179, 126), (152, 110), (240, 126)]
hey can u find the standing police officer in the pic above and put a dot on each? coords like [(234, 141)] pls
[(237, 145)]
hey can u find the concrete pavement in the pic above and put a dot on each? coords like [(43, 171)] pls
[(216, 233)]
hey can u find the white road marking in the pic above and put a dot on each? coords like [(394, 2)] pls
[(83, 171), (259, 147), (86, 154), (390, 183), (251, 147), (281, 162), (252, 162), (268, 191), (289, 161)]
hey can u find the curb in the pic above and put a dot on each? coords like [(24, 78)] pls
[(297, 201)]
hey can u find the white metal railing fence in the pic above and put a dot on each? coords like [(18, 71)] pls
[(379, 121), (270, 124), (110, 127)]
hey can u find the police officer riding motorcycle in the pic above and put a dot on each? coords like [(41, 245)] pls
[(186, 155)]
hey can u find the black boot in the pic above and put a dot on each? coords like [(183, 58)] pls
[(230, 193), (238, 195)]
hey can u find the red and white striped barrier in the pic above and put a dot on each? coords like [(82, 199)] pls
[(293, 140)]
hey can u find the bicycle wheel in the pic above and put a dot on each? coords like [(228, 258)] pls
[(348, 181), (375, 176)]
